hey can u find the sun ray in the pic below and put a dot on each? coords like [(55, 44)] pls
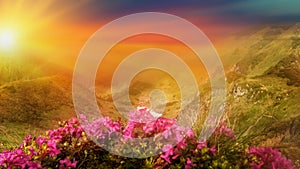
[(37, 23)]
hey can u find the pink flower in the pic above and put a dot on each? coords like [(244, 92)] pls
[(189, 164), (190, 133), (168, 151), (14, 159), (213, 150), (175, 156), (179, 133), (223, 129), (55, 134), (165, 157), (41, 140), (167, 133), (52, 148), (66, 163), (32, 152), (79, 131), (100, 128), (141, 115), (26, 141), (128, 131), (167, 147), (201, 145), (182, 144), (148, 128), (115, 126), (142, 109), (269, 158), (33, 165), (73, 121), (83, 118)]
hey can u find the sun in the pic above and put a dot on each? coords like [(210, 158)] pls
[(7, 39)]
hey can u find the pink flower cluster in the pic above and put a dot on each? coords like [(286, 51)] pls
[(140, 124), (188, 146), (151, 127), (67, 163), (32, 152), (141, 115), (188, 153), (268, 157), (72, 128), (194, 150), (102, 127), (159, 125), (223, 129), (17, 158)]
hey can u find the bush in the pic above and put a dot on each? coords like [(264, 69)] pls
[(69, 147)]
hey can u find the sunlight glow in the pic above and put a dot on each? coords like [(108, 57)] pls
[(6, 39)]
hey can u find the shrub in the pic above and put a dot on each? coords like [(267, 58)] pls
[(69, 147)]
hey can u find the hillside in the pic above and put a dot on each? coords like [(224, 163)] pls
[(263, 93), (263, 88), (32, 106)]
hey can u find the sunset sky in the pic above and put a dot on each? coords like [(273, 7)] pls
[(55, 31)]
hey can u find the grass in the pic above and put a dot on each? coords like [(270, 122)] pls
[(33, 106), (266, 111), (12, 133)]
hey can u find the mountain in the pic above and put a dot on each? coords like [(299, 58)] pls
[(263, 88)]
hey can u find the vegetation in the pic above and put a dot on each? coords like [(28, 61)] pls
[(69, 147), (32, 107)]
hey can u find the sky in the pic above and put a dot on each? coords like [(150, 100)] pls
[(224, 11), (56, 30)]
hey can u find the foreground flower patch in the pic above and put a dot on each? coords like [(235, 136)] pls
[(69, 147)]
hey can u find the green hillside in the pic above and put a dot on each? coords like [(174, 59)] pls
[(263, 88)]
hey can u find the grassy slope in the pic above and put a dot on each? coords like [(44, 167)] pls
[(265, 108), (263, 89), (32, 106)]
